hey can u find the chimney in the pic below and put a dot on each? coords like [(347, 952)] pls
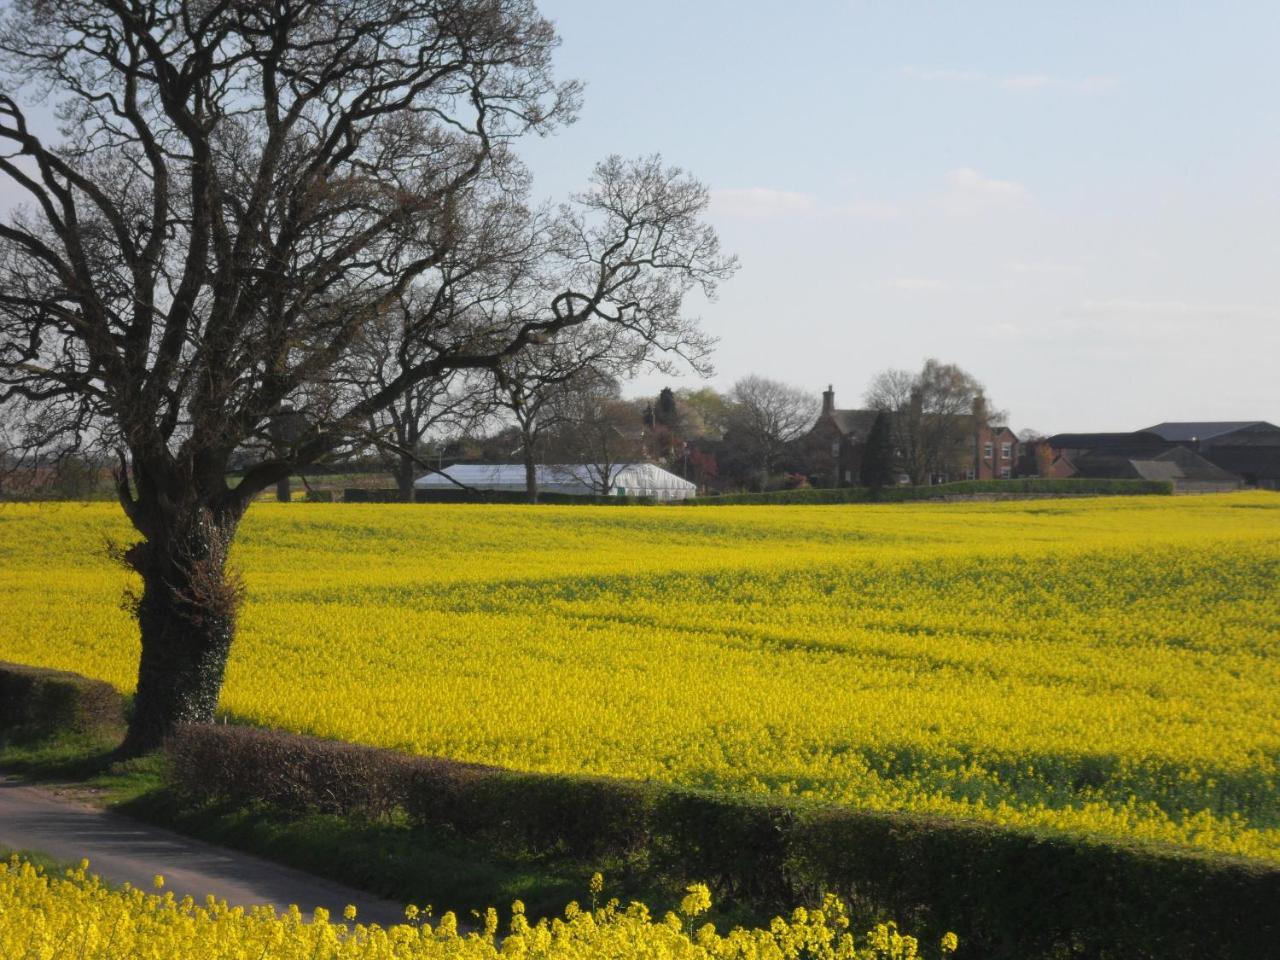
[(979, 410), (828, 401), (916, 407)]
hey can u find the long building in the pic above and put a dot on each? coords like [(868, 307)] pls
[(583, 480)]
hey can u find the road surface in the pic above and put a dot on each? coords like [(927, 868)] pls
[(122, 850)]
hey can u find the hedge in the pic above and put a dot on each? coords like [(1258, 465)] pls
[(1008, 892), (35, 702), (1028, 487)]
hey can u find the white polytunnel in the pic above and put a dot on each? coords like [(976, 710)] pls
[(625, 480)]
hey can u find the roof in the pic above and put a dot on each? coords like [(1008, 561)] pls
[(1139, 440), (1183, 464), (854, 422), (1188, 430), (857, 424), (1176, 463)]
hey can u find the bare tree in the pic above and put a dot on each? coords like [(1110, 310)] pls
[(399, 430), (891, 390), (241, 189), (597, 432), (765, 416), (539, 386), (929, 411)]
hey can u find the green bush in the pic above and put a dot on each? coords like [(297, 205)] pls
[(1028, 894), (584, 817), (35, 703), (736, 844), (251, 765)]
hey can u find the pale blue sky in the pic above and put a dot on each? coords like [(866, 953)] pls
[(1078, 202)]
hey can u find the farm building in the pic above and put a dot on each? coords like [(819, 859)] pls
[(1243, 452), (1247, 448), (624, 480), (1133, 456)]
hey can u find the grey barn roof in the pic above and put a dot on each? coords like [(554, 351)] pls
[(1176, 463), (1138, 440), (1187, 430), (1182, 464)]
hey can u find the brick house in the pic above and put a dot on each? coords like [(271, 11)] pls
[(832, 450)]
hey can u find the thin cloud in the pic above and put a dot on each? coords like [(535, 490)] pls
[(917, 284), (1041, 267), (1121, 308), (1025, 82), (868, 210), (761, 203), (971, 193), (943, 75), (1122, 322)]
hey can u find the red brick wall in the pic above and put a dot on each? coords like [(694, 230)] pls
[(992, 467)]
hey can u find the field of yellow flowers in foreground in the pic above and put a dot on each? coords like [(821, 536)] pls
[(76, 916), (1105, 665)]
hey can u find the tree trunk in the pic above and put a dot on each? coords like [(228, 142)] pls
[(530, 477), (187, 617), (284, 492), (405, 469), (530, 462)]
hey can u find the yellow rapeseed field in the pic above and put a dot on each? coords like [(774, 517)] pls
[(75, 915), (1101, 665)]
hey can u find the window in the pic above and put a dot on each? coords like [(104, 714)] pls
[(835, 448), (1005, 473), (969, 474), (848, 476), (1006, 451), (987, 449)]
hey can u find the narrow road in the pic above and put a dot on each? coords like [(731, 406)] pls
[(121, 850)]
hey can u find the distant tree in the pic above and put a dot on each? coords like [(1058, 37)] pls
[(492, 270), (764, 416), (878, 469), (34, 465), (538, 391), (892, 390), (598, 433), (698, 465), (402, 433), (1038, 458), (928, 411), (666, 412), (704, 413)]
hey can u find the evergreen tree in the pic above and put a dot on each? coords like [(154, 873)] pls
[(877, 459), (665, 414)]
